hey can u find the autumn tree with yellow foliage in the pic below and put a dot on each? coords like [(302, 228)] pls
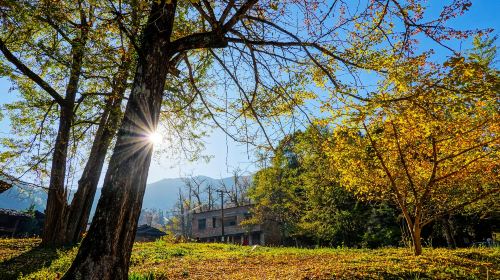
[(433, 151)]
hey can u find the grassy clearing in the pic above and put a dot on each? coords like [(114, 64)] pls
[(21, 259)]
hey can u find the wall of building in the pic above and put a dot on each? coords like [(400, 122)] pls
[(233, 231)]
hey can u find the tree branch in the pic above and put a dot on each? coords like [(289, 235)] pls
[(30, 74)]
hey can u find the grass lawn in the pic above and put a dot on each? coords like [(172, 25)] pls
[(21, 259)]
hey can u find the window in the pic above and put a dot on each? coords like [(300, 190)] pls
[(229, 221), (202, 224), (255, 238), (214, 222)]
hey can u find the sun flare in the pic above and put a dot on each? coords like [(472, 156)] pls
[(155, 138)]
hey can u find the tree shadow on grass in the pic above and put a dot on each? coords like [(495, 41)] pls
[(482, 257), (403, 275), (27, 262)]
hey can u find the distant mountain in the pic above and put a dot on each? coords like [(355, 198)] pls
[(159, 195), (21, 198), (165, 193)]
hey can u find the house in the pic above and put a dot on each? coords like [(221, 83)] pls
[(209, 226), (18, 224), (4, 186), (148, 233)]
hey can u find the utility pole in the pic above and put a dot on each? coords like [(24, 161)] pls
[(210, 206), (221, 192)]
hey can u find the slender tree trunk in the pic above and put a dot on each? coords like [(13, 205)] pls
[(56, 200), (72, 221), (181, 208), (416, 239), (448, 234), (57, 203), (417, 242), (77, 216), (105, 252), (415, 229)]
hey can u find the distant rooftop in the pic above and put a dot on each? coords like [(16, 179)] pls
[(146, 230), (14, 213), (225, 208)]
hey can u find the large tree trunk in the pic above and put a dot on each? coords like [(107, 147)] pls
[(105, 252), (57, 203)]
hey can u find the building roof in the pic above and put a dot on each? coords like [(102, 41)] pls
[(225, 209), (4, 185), (13, 213), (146, 230)]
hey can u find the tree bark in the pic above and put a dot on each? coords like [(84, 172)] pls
[(76, 218), (105, 252), (417, 242), (69, 223), (416, 238), (56, 200), (57, 203), (447, 232), (181, 208), (415, 228)]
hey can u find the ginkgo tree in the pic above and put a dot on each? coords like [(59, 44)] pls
[(432, 152), (67, 97), (61, 128)]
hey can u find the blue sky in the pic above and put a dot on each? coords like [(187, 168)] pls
[(225, 158), (228, 155), (482, 14)]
